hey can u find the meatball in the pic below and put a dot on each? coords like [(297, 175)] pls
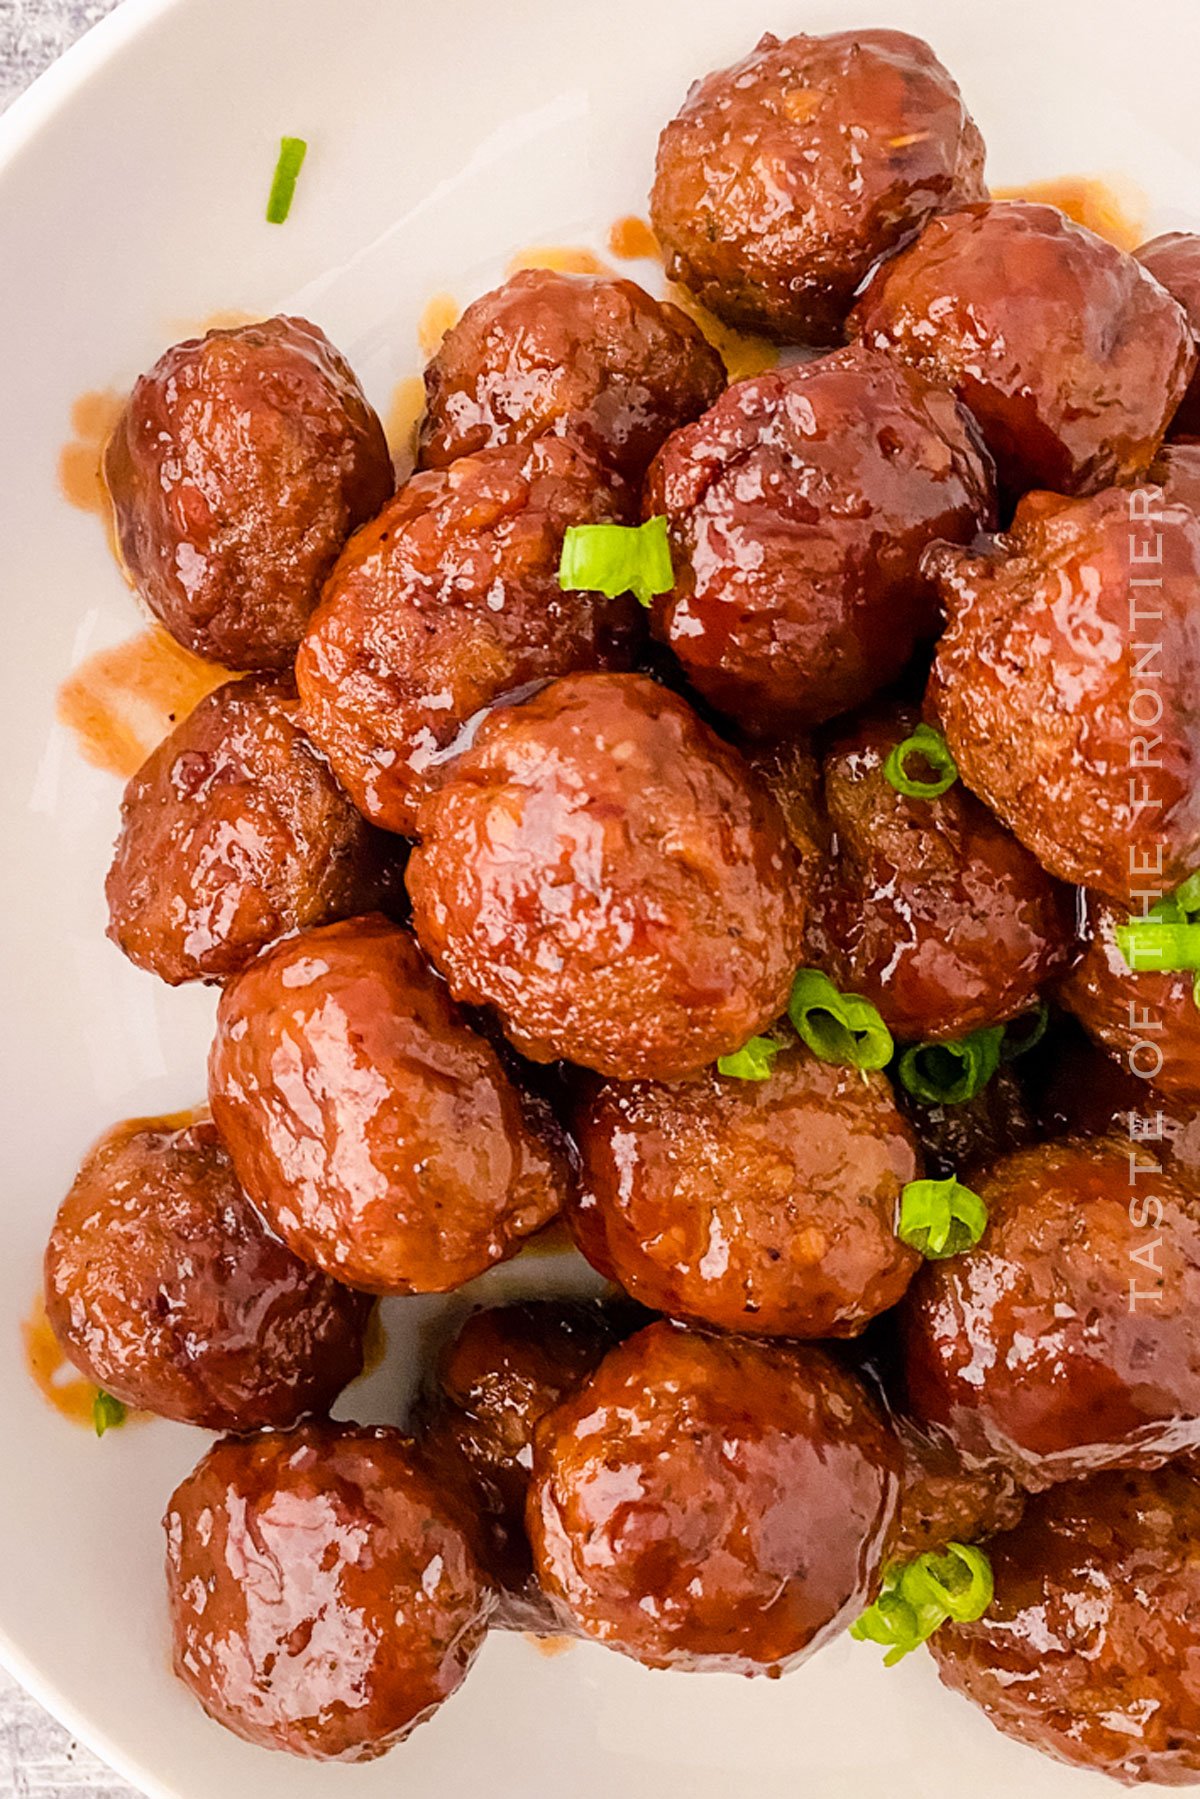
[(958, 1139), (1174, 261), (376, 1132), (1072, 358), (761, 1206), (506, 1368), (785, 178), (447, 602), (1081, 1091), (1068, 694), (792, 774), (584, 354), (1066, 1342), (1176, 469), (323, 1600), (234, 833), (165, 1288), (943, 1500), (713, 1502), (605, 872), (931, 909), (1088, 1651), (798, 510), (240, 466)]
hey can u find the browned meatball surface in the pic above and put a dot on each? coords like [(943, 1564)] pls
[(783, 179), (712, 1502), (585, 354), (445, 603), (166, 1289), (240, 466), (1174, 260), (931, 909), (1090, 1650), (791, 771), (1079, 1090), (607, 875), (958, 1139), (798, 511), (1072, 358), (1176, 469), (943, 1500), (377, 1133), (1066, 1342), (233, 833), (761, 1206), (1039, 685), (322, 1599)]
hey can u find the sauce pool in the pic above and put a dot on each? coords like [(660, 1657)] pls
[(52, 1374), (121, 703), (1113, 211)]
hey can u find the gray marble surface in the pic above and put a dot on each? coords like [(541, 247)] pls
[(38, 1760)]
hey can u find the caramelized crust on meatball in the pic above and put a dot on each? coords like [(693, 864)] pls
[(784, 179), (1174, 261), (233, 833), (166, 1289), (375, 1131), (446, 603), (943, 1500), (240, 466), (712, 1502), (323, 1600), (586, 354)]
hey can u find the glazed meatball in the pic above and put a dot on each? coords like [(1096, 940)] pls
[(1088, 1651), (958, 1139), (240, 466), (584, 354), (761, 1206), (943, 1500), (1066, 1342), (1176, 469), (1080, 1091), (931, 910), (784, 179), (1068, 695), (493, 1383), (790, 770), (712, 1502), (233, 833), (322, 1598), (1072, 358), (798, 511), (1174, 261), (165, 1288), (606, 873), (377, 1133), (447, 602)]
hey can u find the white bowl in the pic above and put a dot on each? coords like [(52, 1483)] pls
[(445, 134)]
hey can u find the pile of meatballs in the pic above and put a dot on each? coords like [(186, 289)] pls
[(717, 926)]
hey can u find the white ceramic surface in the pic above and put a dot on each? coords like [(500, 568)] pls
[(444, 135)]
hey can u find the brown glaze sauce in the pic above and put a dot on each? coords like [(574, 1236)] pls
[(633, 240), (441, 314), (50, 1371), (565, 259), (124, 700), (1116, 211)]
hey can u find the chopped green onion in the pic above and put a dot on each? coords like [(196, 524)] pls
[(1157, 946), (949, 1074), (616, 559), (753, 1062), (1187, 896), (920, 1596), (930, 747), (107, 1412), (1024, 1033), (838, 1027), (292, 151), (941, 1218)]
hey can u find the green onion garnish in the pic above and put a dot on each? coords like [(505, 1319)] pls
[(292, 151), (940, 1219), (753, 1062), (949, 1074), (107, 1412), (616, 559), (930, 747), (1158, 946), (920, 1596), (838, 1027), (1024, 1033)]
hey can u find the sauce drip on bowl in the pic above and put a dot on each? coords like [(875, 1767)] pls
[(124, 700), (50, 1371), (1112, 211)]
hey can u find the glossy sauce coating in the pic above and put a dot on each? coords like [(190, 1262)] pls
[(1174, 260), (945, 1500), (445, 603), (1068, 696), (1088, 1651), (761, 1206), (592, 356), (233, 833), (1079, 1090), (783, 179), (930, 909), (958, 1139), (165, 1288), (799, 507), (712, 1502), (1065, 1343), (323, 1600), (1072, 358), (606, 874), (376, 1132), (240, 466)]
